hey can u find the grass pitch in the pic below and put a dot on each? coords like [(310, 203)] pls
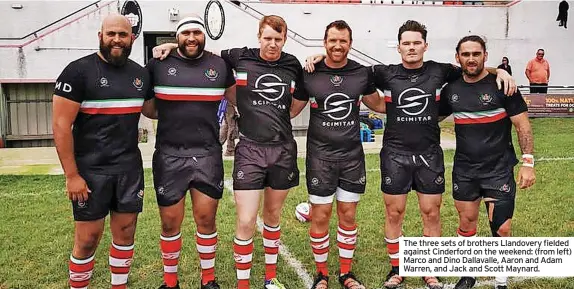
[(36, 226)]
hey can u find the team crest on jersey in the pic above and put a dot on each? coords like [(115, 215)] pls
[(336, 80), (454, 98), (172, 71), (211, 74), (104, 82), (485, 98), (138, 83)]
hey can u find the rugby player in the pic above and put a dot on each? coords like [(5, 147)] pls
[(335, 159), (96, 108), (266, 155), (188, 87), (485, 158), (411, 157)]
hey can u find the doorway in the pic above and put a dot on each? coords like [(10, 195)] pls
[(152, 39)]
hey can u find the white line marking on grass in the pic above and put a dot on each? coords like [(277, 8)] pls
[(295, 264), (18, 195), (543, 159)]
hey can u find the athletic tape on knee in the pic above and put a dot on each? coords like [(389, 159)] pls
[(503, 210)]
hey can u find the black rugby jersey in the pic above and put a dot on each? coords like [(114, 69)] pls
[(335, 99), (111, 97), (187, 96), (264, 93), (412, 98), (482, 125)]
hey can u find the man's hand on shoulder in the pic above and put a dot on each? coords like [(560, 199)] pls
[(162, 51), (504, 78)]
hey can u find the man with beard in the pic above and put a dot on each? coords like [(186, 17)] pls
[(485, 159), (335, 159), (188, 87), (266, 155), (411, 157), (96, 107)]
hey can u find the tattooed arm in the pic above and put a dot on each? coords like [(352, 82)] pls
[(526, 177), (524, 131)]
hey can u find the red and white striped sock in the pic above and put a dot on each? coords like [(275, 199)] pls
[(206, 245), (80, 272), (320, 246), (243, 255), (170, 250), (120, 262), (271, 237), (347, 241), (393, 250)]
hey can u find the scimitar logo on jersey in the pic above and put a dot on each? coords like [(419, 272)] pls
[(338, 107), (270, 87), (413, 102)]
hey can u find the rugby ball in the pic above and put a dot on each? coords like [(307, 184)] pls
[(303, 212)]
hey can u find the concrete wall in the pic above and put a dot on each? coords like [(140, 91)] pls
[(46, 57), (515, 32), (533, 26), (33, 15)]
